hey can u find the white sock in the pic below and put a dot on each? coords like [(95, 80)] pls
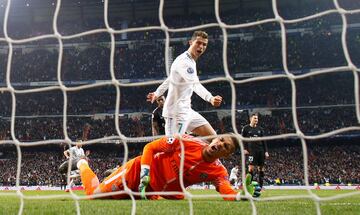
[(80, 162)]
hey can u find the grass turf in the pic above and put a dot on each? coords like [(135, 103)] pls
[(9, 204)]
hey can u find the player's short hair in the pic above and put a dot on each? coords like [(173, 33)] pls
[(201, 34), (254, 114)]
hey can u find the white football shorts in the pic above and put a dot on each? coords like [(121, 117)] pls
[(184, 124)]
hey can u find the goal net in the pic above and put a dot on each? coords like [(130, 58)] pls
[(297, 68)]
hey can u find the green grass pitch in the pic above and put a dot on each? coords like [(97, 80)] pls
[(9, 204)]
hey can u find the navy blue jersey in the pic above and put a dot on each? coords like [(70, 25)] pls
[(254, 132), (159, 119)]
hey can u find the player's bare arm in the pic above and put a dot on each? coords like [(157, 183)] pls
[(67, 154), (152, 96)]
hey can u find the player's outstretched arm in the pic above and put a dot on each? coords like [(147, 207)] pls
[(150, 149), (154, 147), (144, 180), (223, 186), (201, 91), (152, 96), (207, 96), (252, 187)]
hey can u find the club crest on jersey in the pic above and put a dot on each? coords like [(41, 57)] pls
[(190, 70)]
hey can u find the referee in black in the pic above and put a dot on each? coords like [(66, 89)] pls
[(157, 120), (257, 151)]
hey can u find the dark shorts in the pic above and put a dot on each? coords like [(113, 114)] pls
[(257, 158), (64, 166)]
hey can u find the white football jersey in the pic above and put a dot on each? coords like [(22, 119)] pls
[(181, 83), (76, 152), (234, 173)]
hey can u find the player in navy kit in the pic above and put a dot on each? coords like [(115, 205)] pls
[(257, 151), (157, 120)]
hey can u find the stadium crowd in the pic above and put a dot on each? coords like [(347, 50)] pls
[(310, 44), (41, 168), (335, 164), (310, 121), (314, 91), (255, 54)]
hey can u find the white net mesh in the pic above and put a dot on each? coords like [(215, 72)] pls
[(118, 84)]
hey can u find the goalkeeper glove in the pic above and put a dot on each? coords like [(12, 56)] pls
[(257, 189), (250, 187), (144, 181)]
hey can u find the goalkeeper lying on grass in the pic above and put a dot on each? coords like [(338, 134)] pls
[(158, 169)]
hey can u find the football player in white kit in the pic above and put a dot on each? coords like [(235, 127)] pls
[(234, 176), (181, 83), (76, 153)]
